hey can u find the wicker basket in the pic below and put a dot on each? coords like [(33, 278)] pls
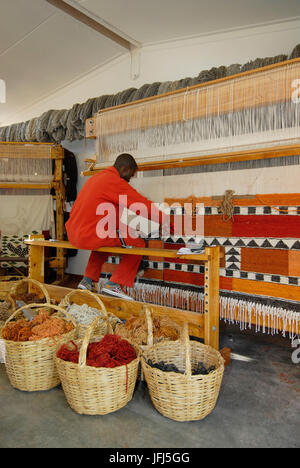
[(183, 397), (101, 328), (30, 365), (96, 391), (21, 287)]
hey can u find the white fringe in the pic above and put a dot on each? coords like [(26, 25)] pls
[(233, 311)]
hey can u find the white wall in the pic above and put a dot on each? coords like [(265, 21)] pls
[(173, 61)]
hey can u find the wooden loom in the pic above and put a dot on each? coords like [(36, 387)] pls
[(270, 91), (37, 151), (204, 326)]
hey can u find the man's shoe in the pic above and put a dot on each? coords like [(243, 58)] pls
[(116, 291), (84, 284)]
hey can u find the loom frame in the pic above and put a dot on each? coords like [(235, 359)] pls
[(205, 326), (57, 155)]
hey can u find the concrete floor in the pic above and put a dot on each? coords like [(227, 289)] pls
[(258, 406)]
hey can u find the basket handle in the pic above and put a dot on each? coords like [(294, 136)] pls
[(87, 336), (186, 342), (36, 283), (40, 306), (149, 326), (66, 299), (7, 297)]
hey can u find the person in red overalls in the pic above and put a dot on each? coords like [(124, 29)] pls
[(94, 222)]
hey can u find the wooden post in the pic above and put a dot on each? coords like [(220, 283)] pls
[(211, 297), (36, 263), (58, 155)]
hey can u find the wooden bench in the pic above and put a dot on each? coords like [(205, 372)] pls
[(205, 326)]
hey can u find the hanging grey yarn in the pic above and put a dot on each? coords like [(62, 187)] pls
[(139, 93), (41, 128), (295, 53), (54, 128), (3, 133), (124, 96), (109, 101), (26, 130), (164, 87), (12, 132), (32, 130), (183, 83), (263, 62), (100, 103), (71, 132), (18, 131), (23, 131), (233, 69), (212, 74), (76, 121), (87, 110), (152, 90)]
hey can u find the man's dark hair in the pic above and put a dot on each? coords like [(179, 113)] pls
[(125, 161)]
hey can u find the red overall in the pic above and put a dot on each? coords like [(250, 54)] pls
[(90, 227)]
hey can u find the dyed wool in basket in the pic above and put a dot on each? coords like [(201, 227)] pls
[(136, 330), (199, 369), (42, 326), (111, 351), (84, 315)]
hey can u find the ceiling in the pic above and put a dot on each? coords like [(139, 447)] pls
[(42, 49)]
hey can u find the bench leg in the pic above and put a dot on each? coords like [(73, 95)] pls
[(211, 297), (36, 263)]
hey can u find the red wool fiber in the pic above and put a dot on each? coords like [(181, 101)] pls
[(111, 351)]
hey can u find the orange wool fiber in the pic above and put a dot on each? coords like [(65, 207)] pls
[(42, 326), (13, 330)]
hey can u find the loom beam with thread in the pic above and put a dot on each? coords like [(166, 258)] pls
[(35, 169), (246, 115)]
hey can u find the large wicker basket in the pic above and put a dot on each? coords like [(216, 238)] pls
[(30, 365), (96, 391), (183, 397), (101, 327)]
